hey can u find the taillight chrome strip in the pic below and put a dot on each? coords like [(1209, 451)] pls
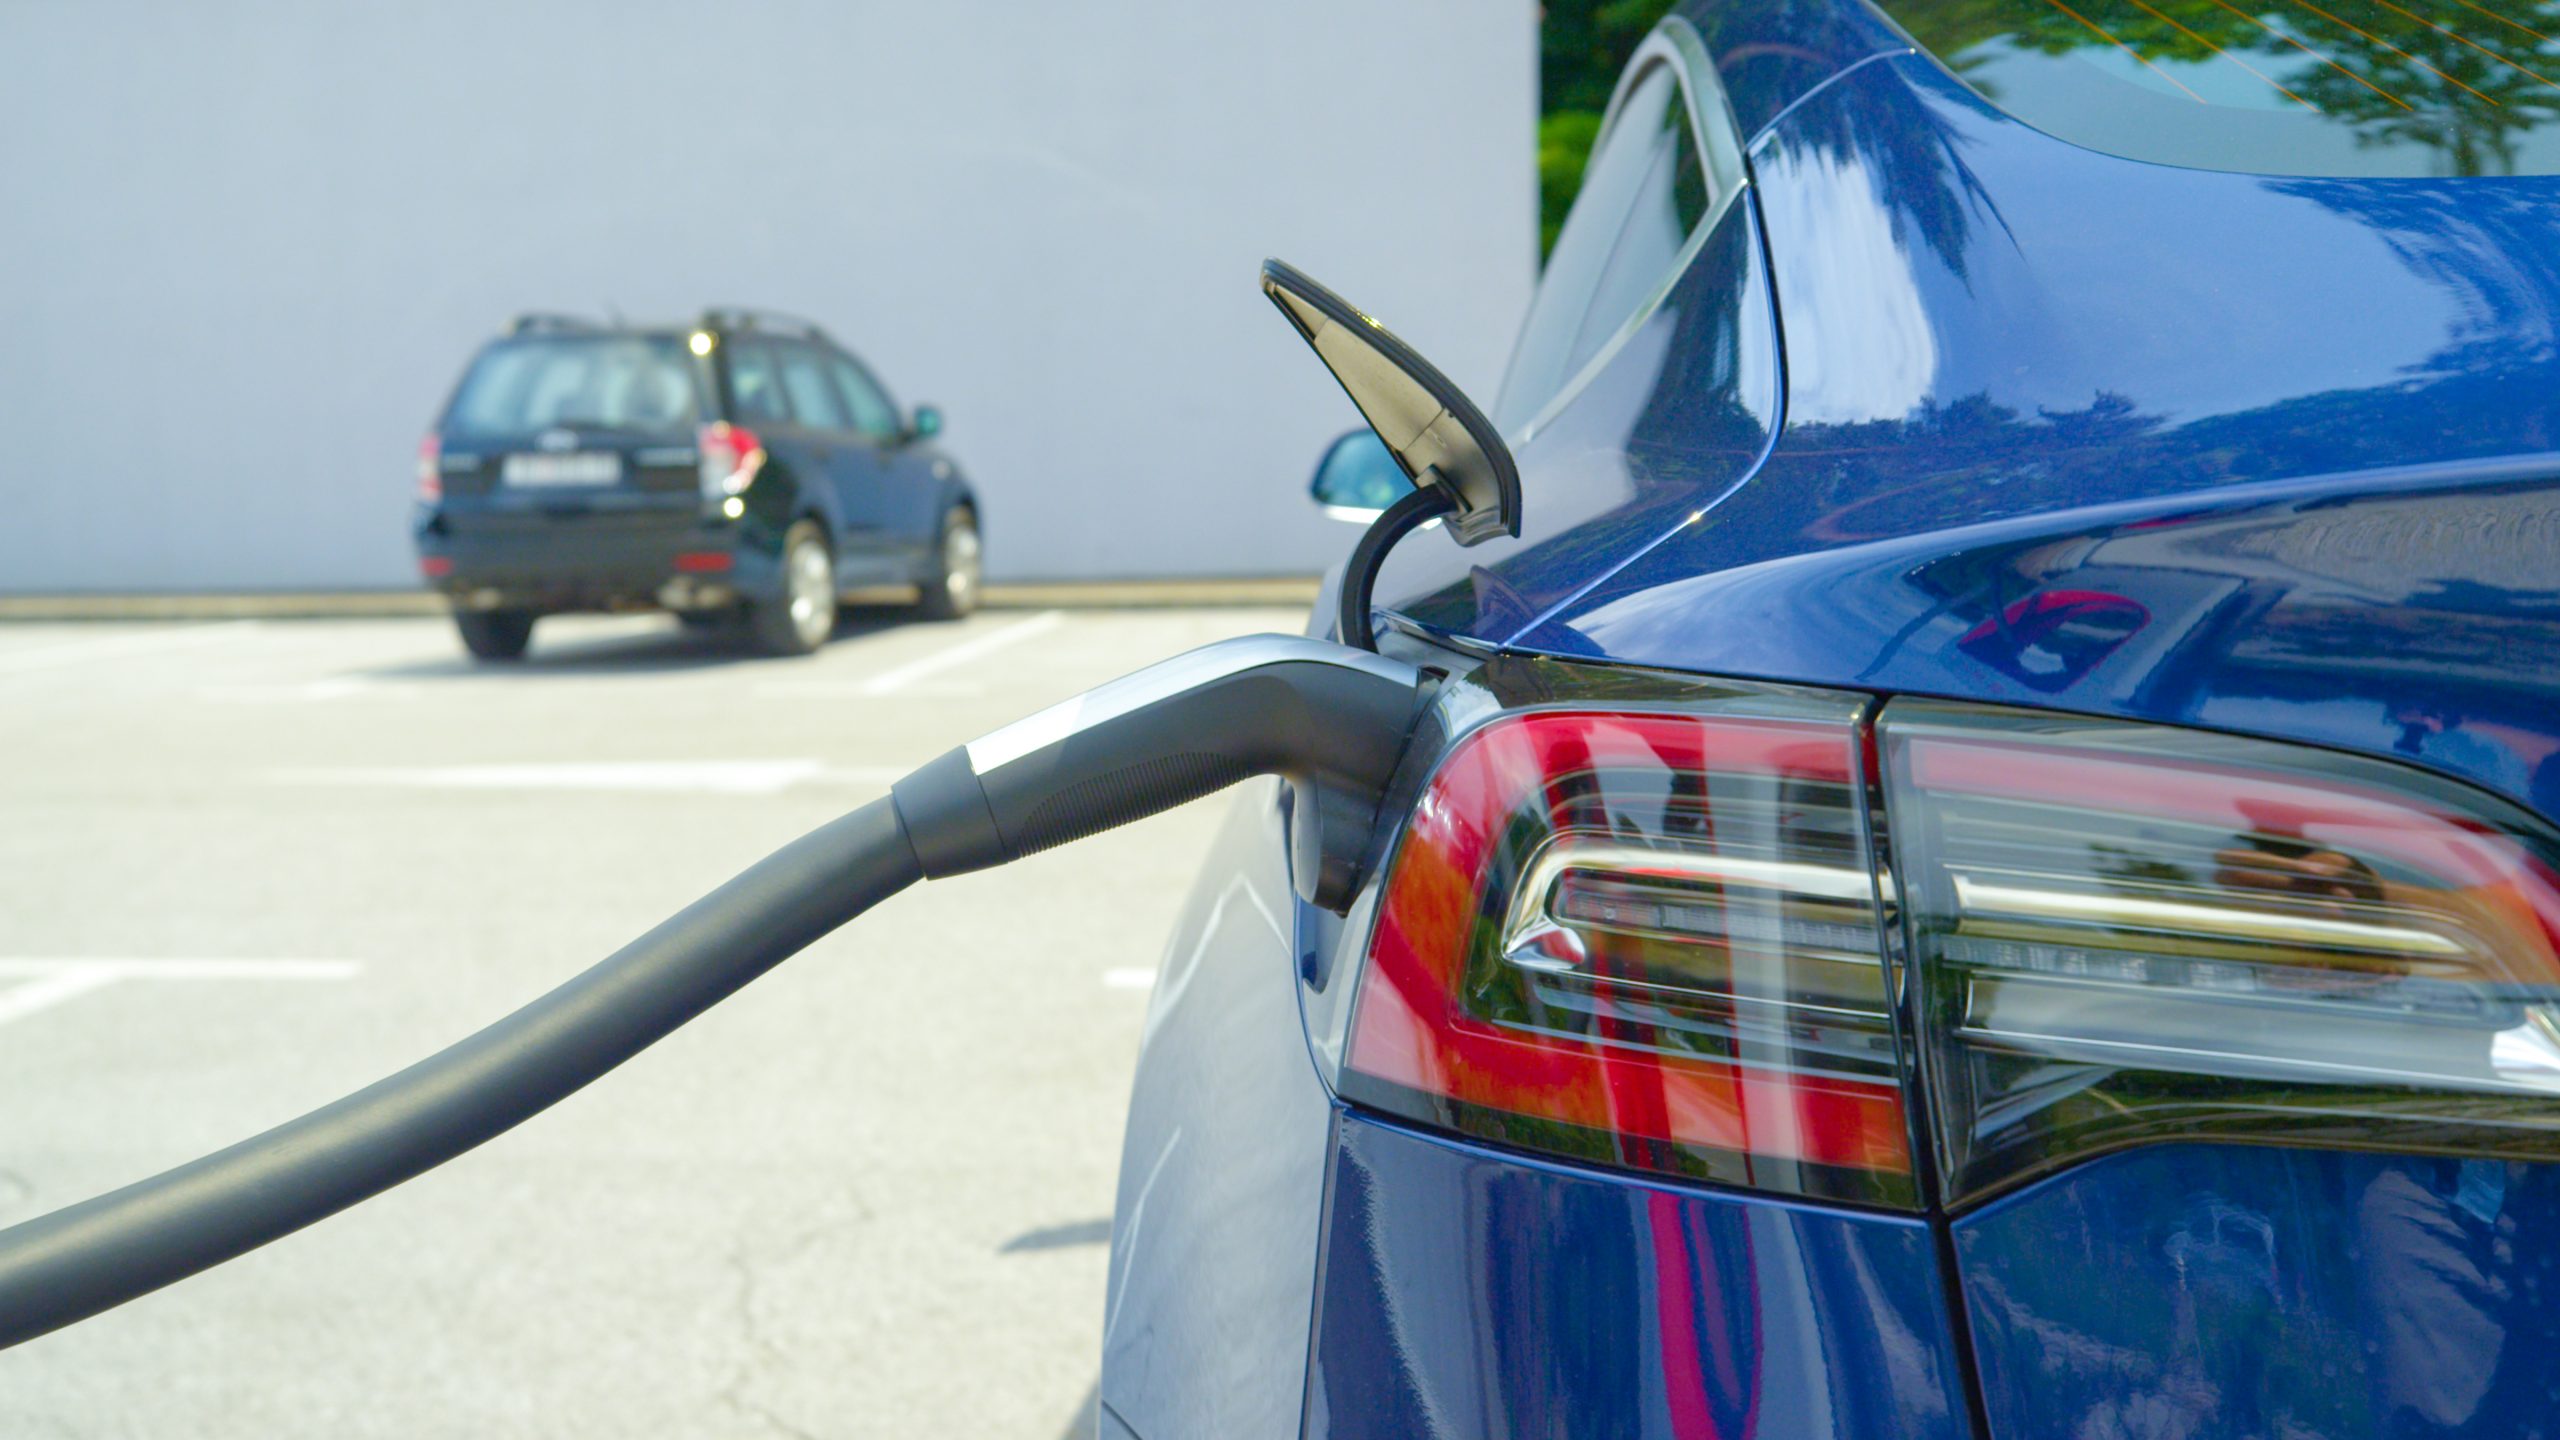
[(1982, 906)]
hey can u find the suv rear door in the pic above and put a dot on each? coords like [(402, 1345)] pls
[(560, 426)]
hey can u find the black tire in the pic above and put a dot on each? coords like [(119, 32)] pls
[(959, 561), (495, 634), (799, 620)]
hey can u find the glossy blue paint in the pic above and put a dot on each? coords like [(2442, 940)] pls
[(1222, 1166), (1772, 53), (1703, 366), (2284, 431), (1946, 407), (1472, 1293), (2261, 1292)]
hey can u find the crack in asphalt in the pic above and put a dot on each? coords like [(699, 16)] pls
[(761, 1351)]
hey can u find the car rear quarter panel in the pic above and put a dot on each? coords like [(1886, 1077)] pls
[(1223, 1162), (2070, 431), (1468, 1292), (2223, 1290)]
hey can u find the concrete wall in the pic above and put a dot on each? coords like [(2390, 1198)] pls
[(246, 248)]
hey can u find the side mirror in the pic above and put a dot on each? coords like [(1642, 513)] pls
[(926, 423), (1357, 479), (1431, 431)]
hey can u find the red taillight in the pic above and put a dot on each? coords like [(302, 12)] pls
[(431, 469), (1656, 938), (1644, 938), (2128, 934), (731, 457), (704, 562), (435, 567)]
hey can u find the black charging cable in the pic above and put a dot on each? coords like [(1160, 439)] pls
[(1334, 721)]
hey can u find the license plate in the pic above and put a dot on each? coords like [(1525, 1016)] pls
[(576, 469)]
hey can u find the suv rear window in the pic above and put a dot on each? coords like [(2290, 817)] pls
[(599, 382), (2295, 87)]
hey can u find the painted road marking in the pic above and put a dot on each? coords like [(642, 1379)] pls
[(898, 677), (1129, 978), (654, 777), (47, 981), (116, 647)]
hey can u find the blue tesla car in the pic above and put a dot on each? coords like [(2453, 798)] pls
[(1985, 863)]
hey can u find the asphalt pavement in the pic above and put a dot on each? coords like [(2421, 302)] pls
[(249, 866)]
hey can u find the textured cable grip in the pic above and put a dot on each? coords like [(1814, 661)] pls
[(1321, 714), (1089, 807)]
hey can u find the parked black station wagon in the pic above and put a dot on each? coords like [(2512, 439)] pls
[(742, 472)]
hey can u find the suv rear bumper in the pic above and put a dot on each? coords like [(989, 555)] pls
[(616, 565)]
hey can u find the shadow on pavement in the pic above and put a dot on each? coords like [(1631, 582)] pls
[(1056, 1237), (1088, 1417)]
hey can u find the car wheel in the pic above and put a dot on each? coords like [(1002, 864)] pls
[(800, 619), (495, 634), (953, 592)]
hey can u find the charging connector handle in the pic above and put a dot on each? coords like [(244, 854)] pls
[(1319, 713)]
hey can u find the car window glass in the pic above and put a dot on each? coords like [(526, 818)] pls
[(755, 382), (873, 414), (813, 399), (1644, 182), (2390, 88), (1668, 204), (619, 382)]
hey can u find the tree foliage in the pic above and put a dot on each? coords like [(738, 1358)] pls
[(1582, 45)]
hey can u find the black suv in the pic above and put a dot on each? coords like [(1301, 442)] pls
[(742, 472)]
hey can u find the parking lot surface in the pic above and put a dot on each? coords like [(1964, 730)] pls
[(251, 866)]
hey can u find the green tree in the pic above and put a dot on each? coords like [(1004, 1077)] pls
[(1582, 45)]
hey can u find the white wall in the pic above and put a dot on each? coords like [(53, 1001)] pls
[(246, 247)]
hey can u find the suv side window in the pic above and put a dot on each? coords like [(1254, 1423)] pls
[(755, 383), (804, 378), (873, 414), (1644, 193)]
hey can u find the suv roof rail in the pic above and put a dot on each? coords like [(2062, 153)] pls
[(539, 322), (771, 322)]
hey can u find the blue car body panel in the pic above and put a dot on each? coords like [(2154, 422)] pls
[(1223, 1164), (1944, 407), (1467, 1292), (2252, 1291), (2309, 517), (1771, 54)]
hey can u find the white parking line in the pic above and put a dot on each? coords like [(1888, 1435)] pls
[(1128, 978), (897, 677), (47, 981), (655, 777), (115, 647), (19, 1001)]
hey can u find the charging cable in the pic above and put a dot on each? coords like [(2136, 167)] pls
[(1330, 719)]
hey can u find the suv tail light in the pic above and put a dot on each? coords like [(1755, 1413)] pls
[(1646, 938), (731, 456), (431, 469), (1653, 933), (2129, 933)]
